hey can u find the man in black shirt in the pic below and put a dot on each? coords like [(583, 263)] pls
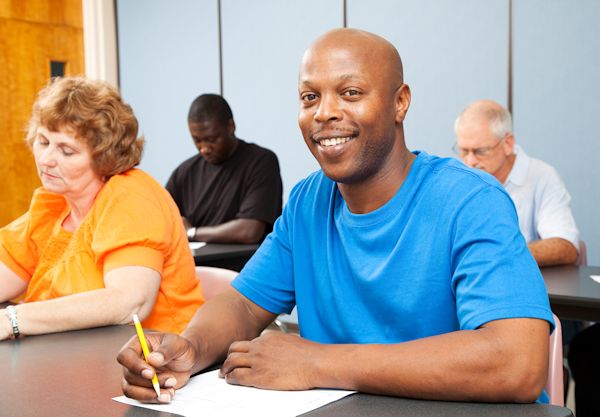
[(231, 191)]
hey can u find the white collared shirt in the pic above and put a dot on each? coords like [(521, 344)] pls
[(541, 199)]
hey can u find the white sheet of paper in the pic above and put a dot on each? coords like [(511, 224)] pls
[(595, 278), (197, 245), (207, 395)]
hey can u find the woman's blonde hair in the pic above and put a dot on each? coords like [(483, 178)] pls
[(93, 112)]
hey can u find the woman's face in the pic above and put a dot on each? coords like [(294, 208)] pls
[(64, 164)]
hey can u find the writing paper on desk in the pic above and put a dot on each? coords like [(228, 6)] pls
[(595, 278), (196, 245), (207, 395)]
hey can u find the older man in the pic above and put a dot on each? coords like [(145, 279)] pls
[(404, 286), (484, 140)]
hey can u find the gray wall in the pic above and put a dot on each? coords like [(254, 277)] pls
[(168, 54), (557, 99), (454, 52)]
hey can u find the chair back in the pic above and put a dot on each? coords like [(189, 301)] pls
[(214, 280), (555, 383), (582, 255)]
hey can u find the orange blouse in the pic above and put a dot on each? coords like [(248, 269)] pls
[(133, 222)]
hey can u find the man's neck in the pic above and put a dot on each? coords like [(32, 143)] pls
[(234, 146), (373, 193), (504, 171)]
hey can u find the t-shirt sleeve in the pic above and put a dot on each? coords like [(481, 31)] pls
[(554, 217), (17, 250), (262, 191), (494, 275), (131, 228), (21, 241), (268, 278)]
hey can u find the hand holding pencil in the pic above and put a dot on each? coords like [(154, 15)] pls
[(172, 359), (145, 350)]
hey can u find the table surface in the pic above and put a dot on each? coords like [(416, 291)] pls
[(212, 251), (76, 374), (573, 294), (224, 255)]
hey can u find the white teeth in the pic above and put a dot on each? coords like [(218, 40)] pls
[(334, 141)]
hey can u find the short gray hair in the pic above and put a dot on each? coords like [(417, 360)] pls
[(498, 117)]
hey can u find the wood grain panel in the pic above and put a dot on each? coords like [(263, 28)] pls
[(55, 12), (26, 48)]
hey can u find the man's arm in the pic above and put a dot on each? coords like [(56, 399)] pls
[(554, 224), (553, 251), (233, 231), (222, 320), (504, 360)]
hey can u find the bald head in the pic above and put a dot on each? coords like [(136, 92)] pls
[(364, 47), (352, 105)]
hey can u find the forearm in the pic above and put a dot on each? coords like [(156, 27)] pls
[(553, 251), (221, 321), (79, 311), (234, 231), (465, 366)]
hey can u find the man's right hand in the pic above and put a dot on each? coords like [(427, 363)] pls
[(173, 358)]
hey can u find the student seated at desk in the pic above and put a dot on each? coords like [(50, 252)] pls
[(101, 240), (484, 140), (409, 272), (231, 191)]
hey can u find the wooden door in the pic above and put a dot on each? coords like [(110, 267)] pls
[(33, 34)]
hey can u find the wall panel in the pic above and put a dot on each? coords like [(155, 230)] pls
[(556, 106), (31, 35), (263, 43), (453, 53), (168, 55)]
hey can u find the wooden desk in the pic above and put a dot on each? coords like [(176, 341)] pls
[(573, 294), (224, 255), (75, 374)]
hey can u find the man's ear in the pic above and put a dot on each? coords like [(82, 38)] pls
[(402, 100), (509, 144), (230, 127)]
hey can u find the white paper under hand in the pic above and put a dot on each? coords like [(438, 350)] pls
[(207, 395)]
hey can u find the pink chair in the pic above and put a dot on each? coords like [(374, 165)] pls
[(582, 255), (555, 383), (214, 280)]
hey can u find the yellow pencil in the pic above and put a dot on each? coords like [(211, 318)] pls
[(140, 333)]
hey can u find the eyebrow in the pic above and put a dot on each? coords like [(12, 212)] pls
[(74, 146)]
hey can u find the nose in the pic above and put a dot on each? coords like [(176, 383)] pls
[(205, 149), (328, 109), (46, 157), (470, 159)]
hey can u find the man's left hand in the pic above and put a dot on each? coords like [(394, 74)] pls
[(274, 360)]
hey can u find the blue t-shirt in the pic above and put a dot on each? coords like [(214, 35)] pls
[(444, 254)]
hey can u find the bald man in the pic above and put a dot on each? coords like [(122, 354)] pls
[(409, 272), (484, 140)]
